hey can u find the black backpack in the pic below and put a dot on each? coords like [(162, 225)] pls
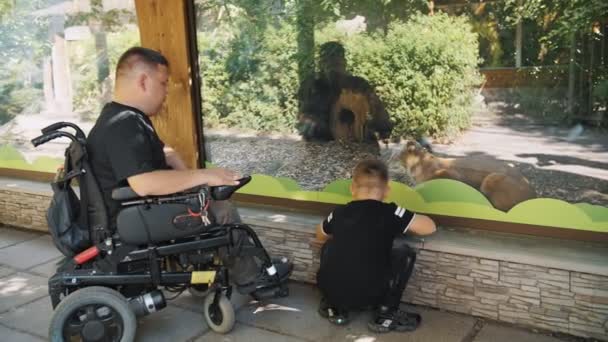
[(75, 223)]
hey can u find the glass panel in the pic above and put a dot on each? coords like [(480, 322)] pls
[(508, 97), (58, 61)]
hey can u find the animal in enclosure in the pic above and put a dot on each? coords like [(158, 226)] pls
[(355, 117), (335, 105), (500, 182)]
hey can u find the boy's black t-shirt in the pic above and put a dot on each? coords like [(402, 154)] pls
[(123, 143), (355, 268)]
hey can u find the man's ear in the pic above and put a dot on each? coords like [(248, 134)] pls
[(142, 81)]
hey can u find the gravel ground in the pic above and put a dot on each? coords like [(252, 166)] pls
[(573, 169)]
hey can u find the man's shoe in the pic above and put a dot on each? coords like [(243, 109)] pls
[(387, 320)]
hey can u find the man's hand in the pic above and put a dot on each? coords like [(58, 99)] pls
[(220, 176)]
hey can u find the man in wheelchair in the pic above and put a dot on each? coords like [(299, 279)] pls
[(145, 221)]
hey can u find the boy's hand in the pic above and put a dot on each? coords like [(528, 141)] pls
[(422, 225), (320, 234)]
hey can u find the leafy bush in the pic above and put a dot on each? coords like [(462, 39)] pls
[(424, 70), (89, 94), (17, 95), (250, 83)]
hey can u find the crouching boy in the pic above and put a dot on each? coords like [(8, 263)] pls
[(360, 266)]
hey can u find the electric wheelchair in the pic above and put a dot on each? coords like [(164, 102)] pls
[(162, 245)]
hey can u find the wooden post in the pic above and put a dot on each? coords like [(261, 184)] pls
[(163, 27)]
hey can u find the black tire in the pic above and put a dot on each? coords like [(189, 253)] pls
[(95, 305), (221, 318), (198, 291)]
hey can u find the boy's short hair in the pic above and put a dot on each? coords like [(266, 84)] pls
[(370, 173)]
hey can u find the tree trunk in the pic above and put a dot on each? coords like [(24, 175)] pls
[(306, 39), (571, 74)]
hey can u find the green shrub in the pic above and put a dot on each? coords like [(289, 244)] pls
[(250, 84), (424, 70)]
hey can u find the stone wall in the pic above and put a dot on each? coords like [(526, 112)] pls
[(552, 299), (24, 209), (535, 296)]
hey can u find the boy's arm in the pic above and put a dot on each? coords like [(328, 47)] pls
[(325, 228), (422, 225), (321, 236)]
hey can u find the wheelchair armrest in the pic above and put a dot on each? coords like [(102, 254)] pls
[(124, 194)]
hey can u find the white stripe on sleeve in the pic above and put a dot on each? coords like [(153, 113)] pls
[(408, 225)]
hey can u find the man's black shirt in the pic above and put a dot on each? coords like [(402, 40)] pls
[(123, 143), (356, 265)]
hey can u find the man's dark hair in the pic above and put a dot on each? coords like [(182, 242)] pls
[(370, 173), (138, 54)]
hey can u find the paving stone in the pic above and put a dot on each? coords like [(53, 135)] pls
[(11, 335), (295, 315), (497, 333), (187, 301), (12, 236), (21, 288), (5, 270), (47, 269), (33, 318), (436, 326), (29, 253), (244, 333), (171, 324)]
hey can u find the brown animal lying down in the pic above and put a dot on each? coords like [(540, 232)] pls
[(501, 183)]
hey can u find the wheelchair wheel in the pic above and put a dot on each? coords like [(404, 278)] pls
[(199, 291), (219, 317), (93, 314)]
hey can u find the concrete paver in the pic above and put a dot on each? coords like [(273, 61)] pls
[(496, 333), (171, 324), (5, 270), (11, 335), (47, 269), (245, 333), (29, 253), (13, 236), (436, 326), (21, 288), (33, 318)]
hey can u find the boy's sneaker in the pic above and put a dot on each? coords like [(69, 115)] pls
[(387, 320), (334, 315)]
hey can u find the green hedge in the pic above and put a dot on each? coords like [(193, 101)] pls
[(425, 71)]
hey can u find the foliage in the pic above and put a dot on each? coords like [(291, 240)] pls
[(250, 85), (88, 93), (423, 74)]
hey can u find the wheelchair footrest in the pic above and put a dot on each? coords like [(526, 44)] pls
[(283, 270)]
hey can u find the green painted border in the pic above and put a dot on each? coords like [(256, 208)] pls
[(447, 197)]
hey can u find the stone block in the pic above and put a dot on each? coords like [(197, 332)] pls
[(528, 301), (561, 302), (522, 293)]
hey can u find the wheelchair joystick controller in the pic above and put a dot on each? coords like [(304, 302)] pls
[(223, 192)]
